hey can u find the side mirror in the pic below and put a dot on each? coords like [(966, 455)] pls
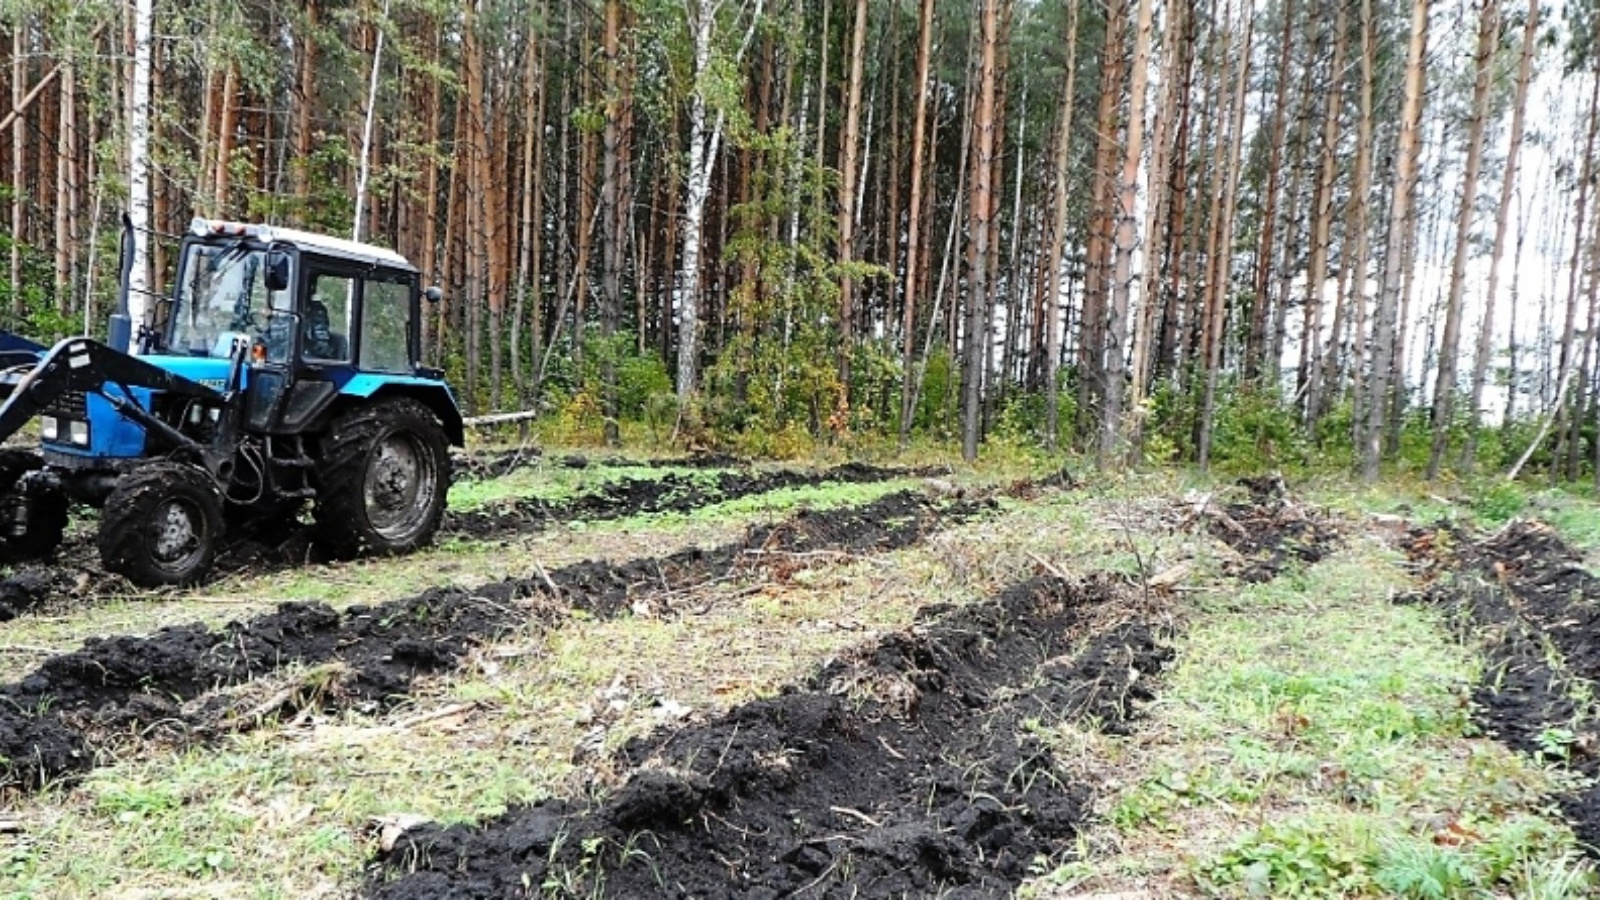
[(277, 271), (432, 294)]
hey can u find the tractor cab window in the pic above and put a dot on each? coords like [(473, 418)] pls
[(325, 325), (386, 326), (222, 299)]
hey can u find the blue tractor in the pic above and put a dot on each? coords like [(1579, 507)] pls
[(283, 371)]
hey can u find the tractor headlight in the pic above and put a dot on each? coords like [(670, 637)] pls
[(49, 427), (78, 433)]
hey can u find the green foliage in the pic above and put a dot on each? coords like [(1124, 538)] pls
[(577, 390), (936, 405), (1497, 502), (1307, 859), (1024, 416), (776, 377), (1424, 870)]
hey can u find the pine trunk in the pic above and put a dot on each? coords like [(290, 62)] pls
[(1383, 337), (1444, 395)]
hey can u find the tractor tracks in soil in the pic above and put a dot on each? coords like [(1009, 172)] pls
[(914, 765), (36, 586), (170, 687), (1524, 596)]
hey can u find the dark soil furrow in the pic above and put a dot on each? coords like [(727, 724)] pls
[(637, 496), (1521, 593), (51, 721), (1270, 532), (498, 464), (907, 768), (43, 586)]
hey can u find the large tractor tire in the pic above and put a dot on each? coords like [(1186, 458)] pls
[(162, 525), (385, 471), (43, 519)]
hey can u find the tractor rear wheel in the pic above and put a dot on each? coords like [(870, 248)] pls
[(30, 526), (162, 525), (384, 475)]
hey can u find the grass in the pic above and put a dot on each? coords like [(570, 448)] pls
[(1315, 740)]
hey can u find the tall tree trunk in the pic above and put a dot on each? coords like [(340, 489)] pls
[(1058, 238), (1256, 337), (1383, 349), (531, 247), (19, 161), (849, 148), (1564, 413), (66, 188), (613, 212), (1097, 271), (364, 163), (1158, 215), (981, 213), (1358, 227), (1444, 395), (1221, 265), (305, 102), (1508, 181), (914, 222), (474, 164), (1127, 237), (228, 118), (1322, 231)]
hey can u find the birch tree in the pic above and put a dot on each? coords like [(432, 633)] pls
[(708, 122)]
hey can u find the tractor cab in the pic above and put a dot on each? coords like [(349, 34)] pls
[(311, 313)]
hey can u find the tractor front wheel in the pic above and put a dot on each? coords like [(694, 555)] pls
[(30, 525), (385, 471), (162, 525)]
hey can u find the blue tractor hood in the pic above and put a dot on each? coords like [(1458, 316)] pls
[(209, 371)]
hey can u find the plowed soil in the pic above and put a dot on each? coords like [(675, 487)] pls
[(35, 586), (903, 770), (1521, 592), (1271, 532), (161, 686), (670, 493), (499, 463)]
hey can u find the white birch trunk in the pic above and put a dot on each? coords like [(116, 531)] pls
[(366, 130), (139, 165), (705, 138)]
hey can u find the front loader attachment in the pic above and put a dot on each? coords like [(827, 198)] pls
[(88, 366)]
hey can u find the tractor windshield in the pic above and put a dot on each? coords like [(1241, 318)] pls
[(223, 297)]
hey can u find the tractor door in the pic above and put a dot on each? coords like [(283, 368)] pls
[(330, 300), (272, 354)]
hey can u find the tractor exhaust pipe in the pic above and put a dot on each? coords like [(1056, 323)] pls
[(120, 331)]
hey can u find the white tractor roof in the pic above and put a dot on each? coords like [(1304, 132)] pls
[(320, 243)]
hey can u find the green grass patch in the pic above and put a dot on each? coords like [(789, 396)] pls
[(1315, 739)]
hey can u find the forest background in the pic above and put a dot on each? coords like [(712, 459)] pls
[(1275, 232)]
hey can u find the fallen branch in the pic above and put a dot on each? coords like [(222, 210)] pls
[(1049, 566), (1561, 393)]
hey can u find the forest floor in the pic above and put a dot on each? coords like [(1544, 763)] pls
[(694, 677)]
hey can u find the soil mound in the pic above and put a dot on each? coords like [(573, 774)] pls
[(158, 684), (1269, 533), (1519, 593), (903, 769)]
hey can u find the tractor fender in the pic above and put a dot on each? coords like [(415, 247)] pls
[(432, 393)]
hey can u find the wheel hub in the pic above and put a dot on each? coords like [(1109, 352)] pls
[(399, 484), (176, 534)]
